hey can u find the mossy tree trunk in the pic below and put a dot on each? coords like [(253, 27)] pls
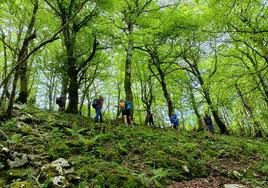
[(30, 35), (20, 70), (249, 112), (72, 25), (147, 94), (161, 77), (201, 126), (5, 92), (205, 90), (128, 69)]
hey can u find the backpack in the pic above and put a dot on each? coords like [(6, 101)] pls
[(128, 105), (174, 118), (94, 103)]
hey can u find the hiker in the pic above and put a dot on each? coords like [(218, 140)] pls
[(149, 118), (126, 106), (209, 123), (97, 105), (174, 121), (60, 101)]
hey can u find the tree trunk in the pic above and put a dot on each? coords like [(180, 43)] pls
[(64, 90), (127, 83), (88, 106), (5, 87), (165, 91), (82, 101), (30, 35), (264, 86), (73, 93), (213, 109), (72, 72), (13, 94), (23, 95), (257, 126), (50, 98), (201, 126)]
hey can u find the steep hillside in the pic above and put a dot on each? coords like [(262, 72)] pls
[(39, 149)]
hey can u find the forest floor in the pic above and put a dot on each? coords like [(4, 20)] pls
[(51, 149)]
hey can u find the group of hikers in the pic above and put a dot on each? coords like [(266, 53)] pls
[(125, 108)]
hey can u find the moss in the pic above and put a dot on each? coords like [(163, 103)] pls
[(109, 154), (2, 180), (124, 157), (122, 147), (27, 130), (57, 149), (132, 182), (40, 149), (20, 184), (87, 172), (175, 175), (99, 180), (19, 173)]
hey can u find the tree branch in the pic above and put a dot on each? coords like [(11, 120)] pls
[(90, 57)]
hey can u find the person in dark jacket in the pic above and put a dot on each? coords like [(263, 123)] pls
[(149, 118), (98, 109), (61, 102), (209, 123)]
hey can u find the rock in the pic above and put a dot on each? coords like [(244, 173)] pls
[(235, 174), (12, 158), (186, 169), (60, 172), (18, 160), (59, 166), (234, 186), (62, 165), (60, 181), (4, 150)]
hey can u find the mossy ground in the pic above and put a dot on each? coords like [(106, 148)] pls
[(115, 156)]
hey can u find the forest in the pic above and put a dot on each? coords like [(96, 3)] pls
[(164, 57)]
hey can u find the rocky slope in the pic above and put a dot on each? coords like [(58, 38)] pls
[(43, 149)]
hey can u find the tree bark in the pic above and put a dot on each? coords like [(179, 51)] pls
[(213, 109), (161, 79), (256, 124), (5, 88), (73, 93), (13, 94), (30, 35), (167, 95), (127, 83), (201, 126)]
